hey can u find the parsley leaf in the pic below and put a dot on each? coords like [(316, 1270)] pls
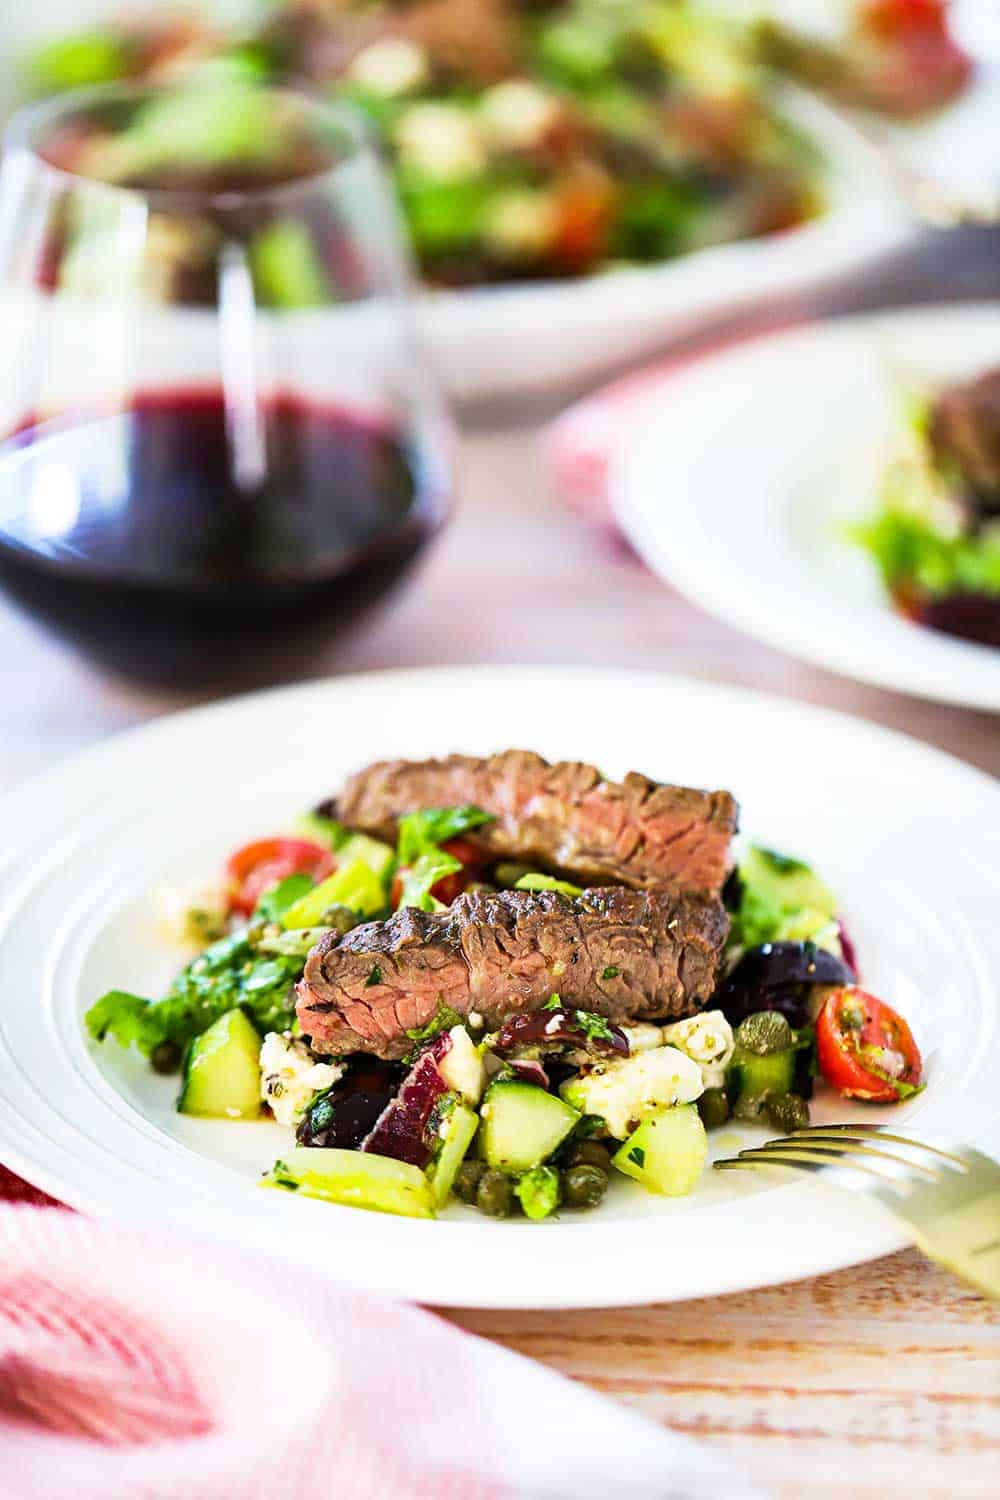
[(444, 1019), (594, 1027), (554, 1002), (424, 832), (638, 1155), (375, 977), (536, 882), (612, 971)]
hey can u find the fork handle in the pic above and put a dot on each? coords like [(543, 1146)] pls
[(967, 1241)]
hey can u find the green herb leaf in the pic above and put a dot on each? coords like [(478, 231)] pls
[(638, 1155), (553, 1003), (425, 873), (375, 977), (424, 832), (781, 864), (612, 971), (117, 1014), (443, 1019), (594, 1027)]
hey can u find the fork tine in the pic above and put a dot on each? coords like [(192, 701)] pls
[(841, 1148), (833, 1167), (867, 1132)]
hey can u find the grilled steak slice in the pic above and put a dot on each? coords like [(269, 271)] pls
[(564, 816), (624, 954), (964, 432)]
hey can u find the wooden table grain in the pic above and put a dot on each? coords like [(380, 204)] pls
[(880, 1379)]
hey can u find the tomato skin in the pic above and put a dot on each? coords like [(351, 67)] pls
[(258, 866), (841, 1047), (449, 886)]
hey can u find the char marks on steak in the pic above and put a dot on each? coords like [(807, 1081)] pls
[(562, 816), (627, 955)]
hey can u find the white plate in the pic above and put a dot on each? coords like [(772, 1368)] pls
[(490, 340), (900, 830), (736, 481)]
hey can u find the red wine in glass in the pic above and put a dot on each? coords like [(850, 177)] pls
[(225, 445)]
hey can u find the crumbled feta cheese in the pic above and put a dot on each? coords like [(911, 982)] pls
[(391, 66), (708, 1040), (462, 1066), (191, 912), (290, 1076), (521, 225), (623, 1092), (517, 114), (443, 140), (476, 1020)]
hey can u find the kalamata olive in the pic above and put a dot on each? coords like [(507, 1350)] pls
[(589, 1154), (779, 976), (971, 616), (343, 1114), (165, 1057), (584, 1186), (495, 1194), (787, 1112), (713, 1106), (557, 1029), (466, 1183)]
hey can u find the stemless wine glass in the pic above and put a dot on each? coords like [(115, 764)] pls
[(219, 436)]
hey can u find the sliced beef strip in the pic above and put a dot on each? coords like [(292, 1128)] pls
[(562, 816), (626, 955), (964, 432)]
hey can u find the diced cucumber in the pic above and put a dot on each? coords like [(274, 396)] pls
[(353, 884), (460, 1127), (751, 1075), (522, 1124), (358, 1179), (222, 1070), (538, 1192), (789, 883), (666, 1153)]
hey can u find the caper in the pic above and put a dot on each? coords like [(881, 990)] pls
[(467, 1180), (494, 1195), (749, 1106), (788, 1112), (764, 1032), (713, 1106), (589, 1154), (342, 918), (584, 1186), (165, 1057)]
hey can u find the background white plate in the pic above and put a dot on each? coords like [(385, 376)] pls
[(908, 836), (735, 484), (491, 340)]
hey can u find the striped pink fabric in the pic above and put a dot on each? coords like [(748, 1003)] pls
[(137, 1366)]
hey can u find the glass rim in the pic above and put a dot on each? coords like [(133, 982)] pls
[(21, 135)]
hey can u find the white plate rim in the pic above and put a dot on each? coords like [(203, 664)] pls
[(850, 1233)]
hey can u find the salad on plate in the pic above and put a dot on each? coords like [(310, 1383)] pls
[(510, 982), (935, 535)]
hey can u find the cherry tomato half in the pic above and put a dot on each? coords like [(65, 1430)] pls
[(257, 867), (865, 1049), (449, 886)]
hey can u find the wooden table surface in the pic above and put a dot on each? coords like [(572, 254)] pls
[(877, 1380)]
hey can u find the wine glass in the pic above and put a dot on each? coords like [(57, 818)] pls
[(220, 440)]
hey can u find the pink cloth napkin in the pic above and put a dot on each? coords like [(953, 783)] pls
[(134, 1365), (579, 446)]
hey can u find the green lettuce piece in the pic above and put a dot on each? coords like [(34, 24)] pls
[(118, 1014), (274, 903), (422, 832), (77, 61), (443, 1019), (354, 885), (425, 873), (536, 882), (909, 551)]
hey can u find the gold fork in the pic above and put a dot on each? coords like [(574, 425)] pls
[(947, 1195)]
